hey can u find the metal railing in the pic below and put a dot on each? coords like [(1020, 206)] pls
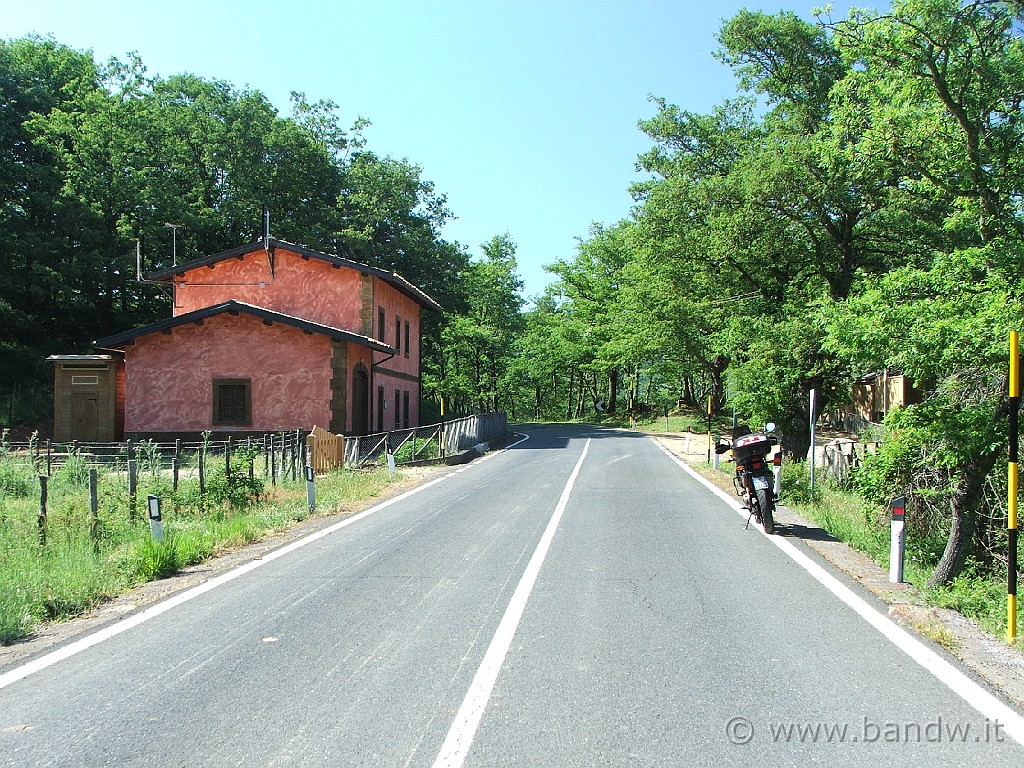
[(280, 452)]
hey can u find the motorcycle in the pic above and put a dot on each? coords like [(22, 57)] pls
[(754, 478)]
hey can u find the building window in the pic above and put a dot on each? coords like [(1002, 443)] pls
[(398, 334), (407, 338), (381, 402), (405, 410), (397, 411), (380, 323), (232, 402)]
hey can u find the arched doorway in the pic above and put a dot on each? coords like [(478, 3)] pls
[(360, 401)]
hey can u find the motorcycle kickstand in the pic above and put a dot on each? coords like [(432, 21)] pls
[(749, 516)]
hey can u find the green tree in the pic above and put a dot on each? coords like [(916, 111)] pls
[(477, 345), (938, 83)]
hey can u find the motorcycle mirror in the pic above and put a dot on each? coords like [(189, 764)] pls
[(769, 427)]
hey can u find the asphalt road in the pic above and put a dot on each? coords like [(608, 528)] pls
[(650, 629)]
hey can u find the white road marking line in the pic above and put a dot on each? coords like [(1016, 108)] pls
[(984, 702), (20, 673), (460, 736)]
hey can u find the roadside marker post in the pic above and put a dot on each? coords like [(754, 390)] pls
[(813, 418), (1012, 480), (310, 489), (898, 540), (710, 402), (689, 431), (156, 521)]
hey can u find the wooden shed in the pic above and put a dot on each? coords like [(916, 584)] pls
[(88, 398)]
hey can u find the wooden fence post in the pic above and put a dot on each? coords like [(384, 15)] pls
[(293, 453), (227, 456), (94, 509), (202, 470), (133, 487), (43, 480)]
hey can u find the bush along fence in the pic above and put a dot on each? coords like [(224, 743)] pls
[(209, 472), (199, 475)]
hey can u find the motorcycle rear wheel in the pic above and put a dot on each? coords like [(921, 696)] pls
[(765, 503)]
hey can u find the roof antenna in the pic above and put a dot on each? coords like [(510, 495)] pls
[(174, 239), (266, 239)]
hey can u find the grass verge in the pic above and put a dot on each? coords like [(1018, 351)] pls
[(75, 570)]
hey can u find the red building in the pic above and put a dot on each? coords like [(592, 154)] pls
[(272, 336)]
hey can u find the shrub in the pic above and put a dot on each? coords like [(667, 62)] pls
[(15, 481), (151, 559), (796, 484), (73, 473)]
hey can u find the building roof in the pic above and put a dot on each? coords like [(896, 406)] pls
[(79, 358), (392, 278), (119, 340)]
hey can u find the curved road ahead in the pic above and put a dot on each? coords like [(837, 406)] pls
[(576, 600)]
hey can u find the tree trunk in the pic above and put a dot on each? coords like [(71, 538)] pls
[(969, 489), (568, 397), (716, 369), (688, 397), (613, 389)]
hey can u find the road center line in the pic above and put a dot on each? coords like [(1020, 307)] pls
[(460, 735), (984, 702)]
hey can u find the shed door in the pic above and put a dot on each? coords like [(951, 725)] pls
[(360, 403), (85, 416)]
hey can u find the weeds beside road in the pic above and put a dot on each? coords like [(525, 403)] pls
[(83, 563)]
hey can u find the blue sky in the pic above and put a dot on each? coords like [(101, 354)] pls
[(523, 113)]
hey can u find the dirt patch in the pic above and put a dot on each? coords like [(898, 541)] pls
[(989, 657)]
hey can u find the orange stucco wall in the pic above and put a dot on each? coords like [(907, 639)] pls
[(306, 288), (169, 383), (396, 305)]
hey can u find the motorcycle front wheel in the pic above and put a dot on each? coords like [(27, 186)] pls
[(764, 502)]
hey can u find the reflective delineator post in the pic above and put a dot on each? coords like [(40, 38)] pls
[(156, 521), (898, 540), (1011, 510), (310, 489), (710, 404), (813, 418), (689, 431)]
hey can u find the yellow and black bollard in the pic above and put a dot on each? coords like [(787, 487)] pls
[(1011, 516)]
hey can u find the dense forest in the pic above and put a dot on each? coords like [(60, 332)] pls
[(855, 208)]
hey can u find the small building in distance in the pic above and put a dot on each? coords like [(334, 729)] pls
[(89, 398), (264, 337), (875, 394)]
